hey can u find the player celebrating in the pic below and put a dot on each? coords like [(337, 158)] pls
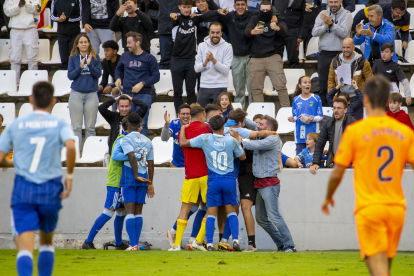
[(37, 139), (386, 145), (219, 151)]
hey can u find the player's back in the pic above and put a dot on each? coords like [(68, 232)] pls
[(140, 144), (378, 147)]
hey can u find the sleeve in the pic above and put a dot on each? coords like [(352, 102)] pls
[(250, 26), (108, 115), (345, 153), (205, 17), (119, 70), (143, 107), (359, 103), (303, 30), (6, 144), (319, 27), (330, 96), (105, 74), (53, 13), (251, 124), (116, 24), (407, 90), (320, 145), (114, 6), (74, 71), (283, 27), (127, 146), (145, 20), (388, 35), (349, 5), (166, 132), (86, 12), (198, 141), (224, 67), (264, 144), (198, 65), (344, 27), (66, 132), (331, 77), (95, 69), (154, 71), (10, 9), (237, 150), (361, 39), (400, 74), (244, 132), (410, 151), (32, 7), (319, 114), (212, 5), (405, 33), (301, 155), (118, 154), (150, 155), (80, 14)]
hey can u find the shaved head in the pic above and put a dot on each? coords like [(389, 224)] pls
[(348, 48)]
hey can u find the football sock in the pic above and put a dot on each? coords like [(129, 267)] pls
[(45, 260), (234, 225), (252, 240), (197, 222), (202, 232), (211, 220), (99, 223), (138, 226), (24, 263), (226, 231), (130, 228), (118, 226), (192, 211), (181, 225), (220, 236)]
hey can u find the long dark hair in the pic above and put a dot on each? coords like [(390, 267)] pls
[(75, 50), (298, 90)]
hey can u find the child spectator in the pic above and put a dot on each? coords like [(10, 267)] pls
[(392, 71), (353, 107), (395, 111), (257, 118), (224, 102), (108, 66), (306, 155), (306, 111)]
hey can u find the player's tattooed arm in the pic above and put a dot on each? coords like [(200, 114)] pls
[(134, 167), (4, 162), (184, 142)]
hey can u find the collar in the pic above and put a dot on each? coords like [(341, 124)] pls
[(41, 112)]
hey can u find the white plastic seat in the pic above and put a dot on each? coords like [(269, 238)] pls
[(292, 77), (404, 108), (27, 80), (327, 111), (411, 11), (101, 52), (25, 109), (4, 56), (94, 150), (398, 47), (155, 46), (313, 46), (165, 84), (289, 149), (285, 55), (8, 81), (358, 7), (61, 110), (61, 83), (237, 105), (156, 114), (44, 51), (8, 110), (261, 108), (121, 49), (63, 151), (301, 51), (282, 116), (409, 52), (55, 55), (100, 120), (162, 150), (4, 42)]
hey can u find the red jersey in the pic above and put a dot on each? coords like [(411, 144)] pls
[(402, 117), (194, 159)]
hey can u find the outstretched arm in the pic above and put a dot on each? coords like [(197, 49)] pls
[(334, 181)]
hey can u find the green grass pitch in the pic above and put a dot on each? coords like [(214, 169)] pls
[(155, 262)]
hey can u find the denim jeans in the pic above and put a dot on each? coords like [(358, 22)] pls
[(83, 106), (146, 98), (269, 218), (166, 47)]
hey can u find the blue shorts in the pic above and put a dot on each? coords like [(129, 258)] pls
[(113, 198), (32, 217), (134, 194), (221, 191)]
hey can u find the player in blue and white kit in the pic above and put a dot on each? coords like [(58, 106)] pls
[(220, 152), (135, 182), (37, 140)]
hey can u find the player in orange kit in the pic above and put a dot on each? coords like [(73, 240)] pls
[(378, 148)]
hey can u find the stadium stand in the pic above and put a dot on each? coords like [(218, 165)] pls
[(25, 109), (55, 59), (289, 149), (165, 84), (27, 80), (156, 114), (261, 108), (285, 126), (61, 83)]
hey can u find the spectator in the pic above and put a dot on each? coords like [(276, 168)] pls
[(392, 71), (331, 131), (96, 17), (375, 33), (395, 111), (226, 4), (332, 27), (23, 33), (312, 11), (137, 71), (360, 72), (224, 101), (136, 21), (266, 54), (108, 66), (84, 70), (354, 106), (69, 15), (306, 155), (257, 118), (213, 61), (306, 111), (265, 169), (151, 9), (203, 28), (396, 14)]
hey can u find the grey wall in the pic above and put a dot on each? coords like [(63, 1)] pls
[(300, 203)]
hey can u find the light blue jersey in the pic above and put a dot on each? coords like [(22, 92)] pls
[(139, 144), (219, 150), (311, 106), (36, 140), (243, 132)]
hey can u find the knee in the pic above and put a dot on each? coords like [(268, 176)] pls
[(108, 212)]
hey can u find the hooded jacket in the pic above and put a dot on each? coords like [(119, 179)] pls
[(402, 117), (294, 15), (84, 80), (214, 75), (21, 17)]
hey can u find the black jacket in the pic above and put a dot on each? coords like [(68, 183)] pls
[(327, 133), (93, 19), (73, 13), (114, 119), (108, 71), (294, 15)]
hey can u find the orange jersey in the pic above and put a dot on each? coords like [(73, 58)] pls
[(378, 147)]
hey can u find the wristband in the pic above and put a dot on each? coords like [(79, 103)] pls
[(69, 176), (330, 25)]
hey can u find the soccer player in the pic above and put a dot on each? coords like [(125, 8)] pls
[(386, 145), (37, 139), (220, 152), (134, 180)]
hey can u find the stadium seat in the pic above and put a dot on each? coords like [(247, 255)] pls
[(289, 149), (358, 7), (155, 47), (285, 126), (55, 55), (409, 53), (156, 114), (4, 56), (285, 56), (61, 110), (4, 42), (8, 110), (292, 77), (162, 150), (313, 48), (61, 83), (121, 49), (261, 108), (404, 108), (165, 84), (94, 150), (327, 111), (8, 81), (27, 80), (411, 11), (44, 51), (398, 47), (101, 52), (63, 152), (237, 105), (100, 120), (25, 109), (301, 53)]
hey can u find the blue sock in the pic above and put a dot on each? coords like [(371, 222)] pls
[(118, 226), (226, 231), (24, 263), (210, 222), (138, 226), (45, 260), (192, 211), (99, 223), (197, 222), (130, 228), (234, 225)]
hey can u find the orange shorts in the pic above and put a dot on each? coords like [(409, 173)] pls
[(379, 229)]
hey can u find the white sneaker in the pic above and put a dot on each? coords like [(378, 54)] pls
[(171, 238), (132, 248), (175, 248), (198, 246)]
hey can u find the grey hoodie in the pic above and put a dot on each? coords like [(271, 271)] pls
[(331, 39), (347, 88)]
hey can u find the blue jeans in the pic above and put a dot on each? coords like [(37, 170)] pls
[(166, 47), (269, 218), (146, 98)]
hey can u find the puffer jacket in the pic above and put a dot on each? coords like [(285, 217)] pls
[(21, 17)]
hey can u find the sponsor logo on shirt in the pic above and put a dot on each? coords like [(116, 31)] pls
[(190, 23), (135, 63), (189, 31), (389, 71)]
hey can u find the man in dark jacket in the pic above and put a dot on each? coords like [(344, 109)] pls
[(68, 14), (332, 132)]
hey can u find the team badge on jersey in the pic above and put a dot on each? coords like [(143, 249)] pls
[(190, 23), (311, 103)]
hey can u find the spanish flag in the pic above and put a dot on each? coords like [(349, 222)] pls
[(42, 11)]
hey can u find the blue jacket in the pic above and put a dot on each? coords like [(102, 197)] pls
[(84, 79), (386, 34)]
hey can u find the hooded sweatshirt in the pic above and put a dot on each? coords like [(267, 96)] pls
[(21, 17), (214, 75), (331, 39), (402, 117), (85, 80)]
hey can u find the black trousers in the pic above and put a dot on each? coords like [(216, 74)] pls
[(183, 70), (324, 63), (65, 47), (209, 95), (292, 47)]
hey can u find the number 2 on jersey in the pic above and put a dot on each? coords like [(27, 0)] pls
[(40, 142), (381, 169), (221, 155)]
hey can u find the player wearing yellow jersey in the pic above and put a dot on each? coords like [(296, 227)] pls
[(378, 148)]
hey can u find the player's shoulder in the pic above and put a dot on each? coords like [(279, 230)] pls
[(316, 97)]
